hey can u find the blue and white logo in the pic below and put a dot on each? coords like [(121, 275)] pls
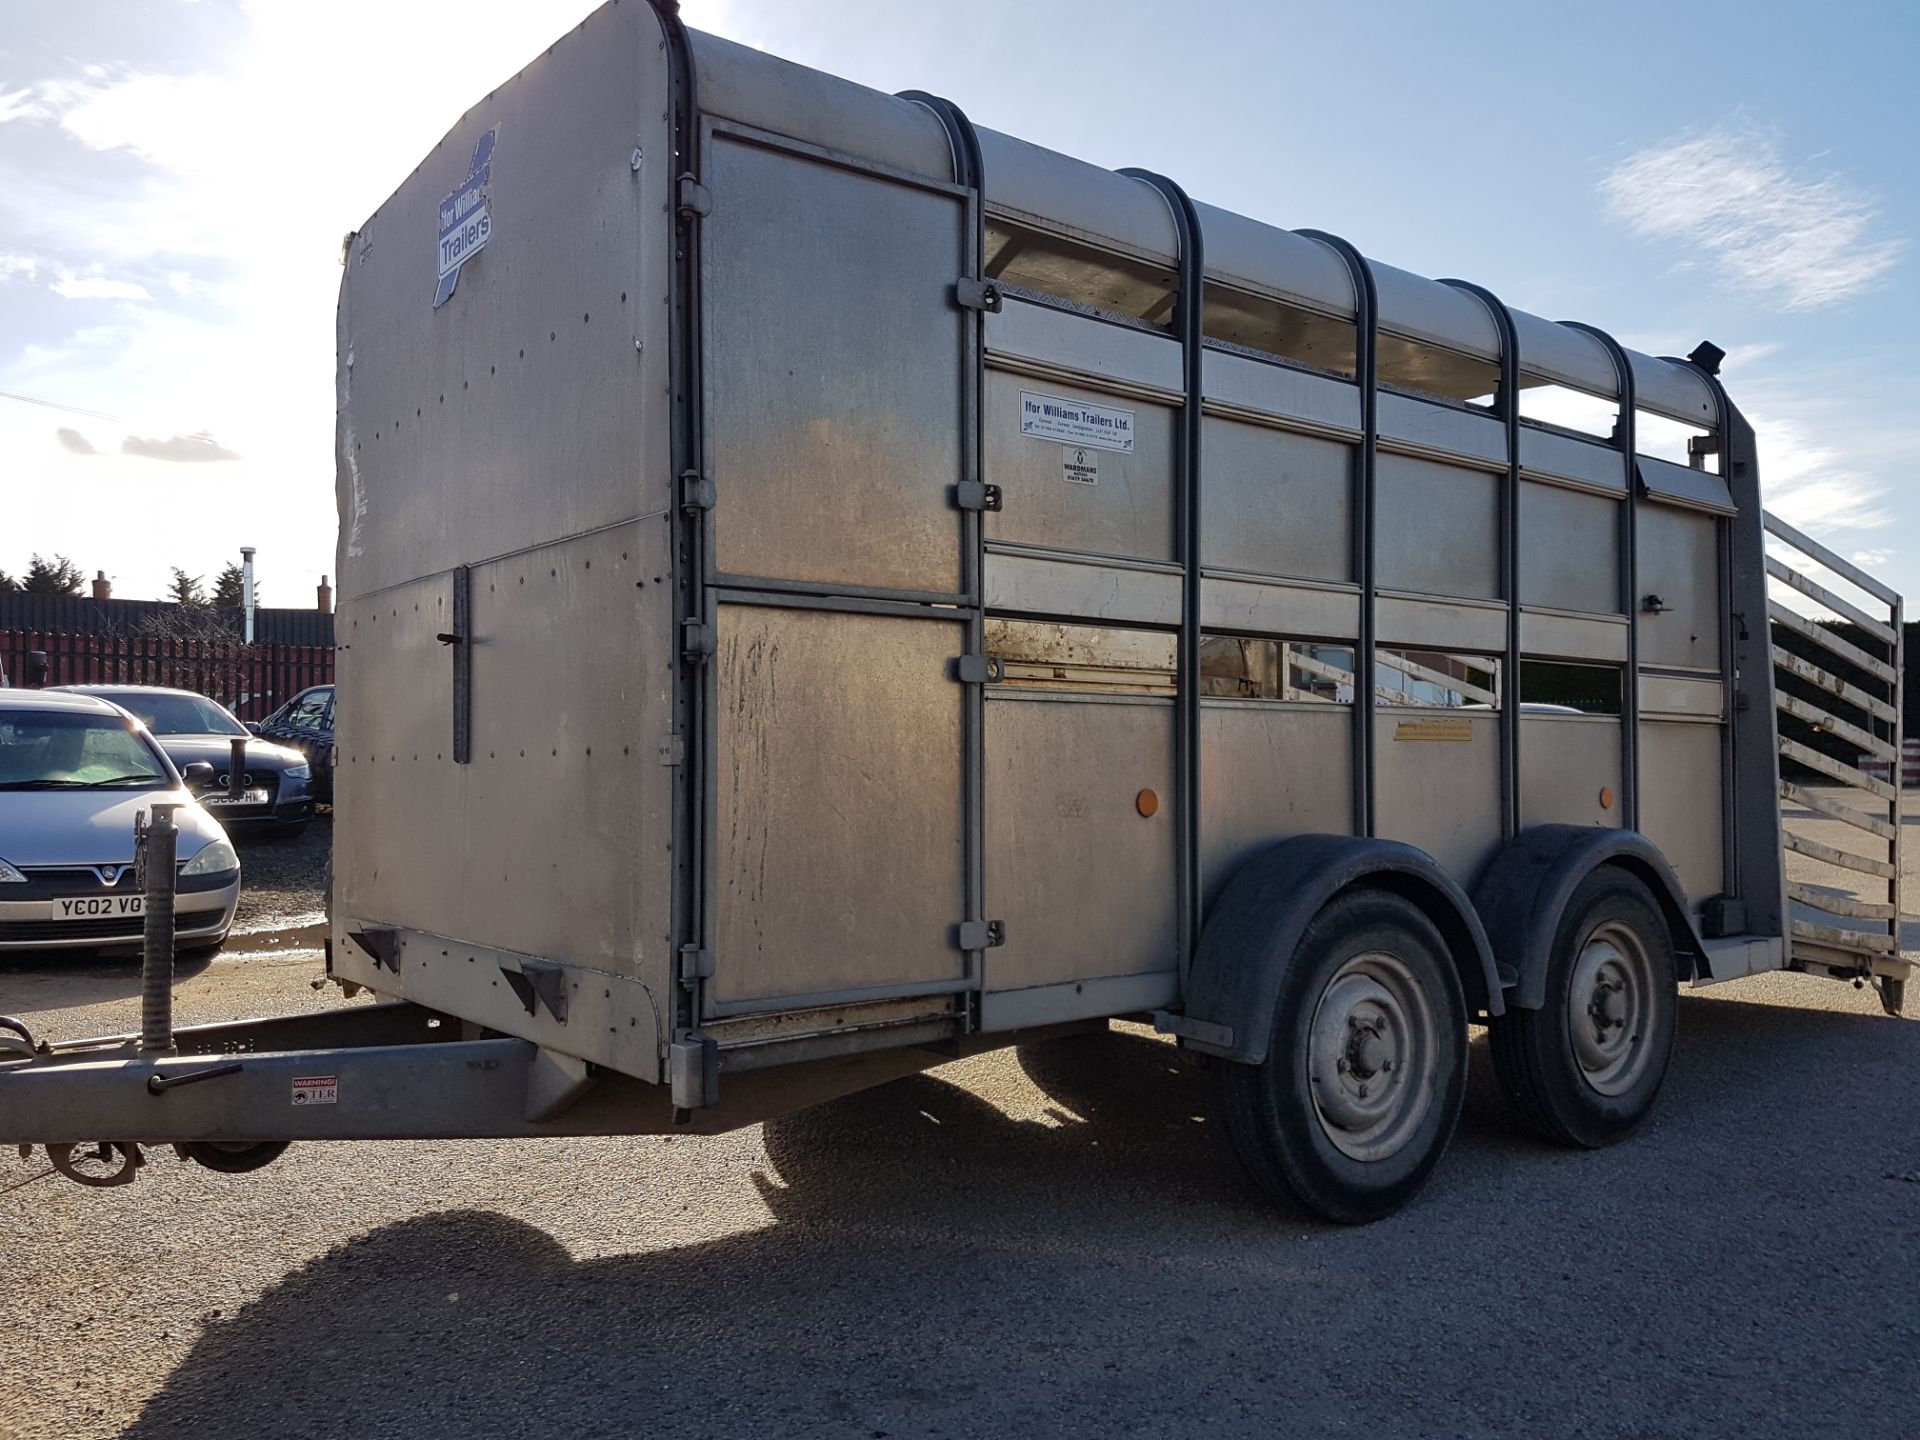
[(466, 220)]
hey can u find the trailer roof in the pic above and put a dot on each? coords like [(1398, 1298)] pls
[(1130, 218)]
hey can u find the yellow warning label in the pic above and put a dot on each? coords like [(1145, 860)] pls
[(1433, 730)]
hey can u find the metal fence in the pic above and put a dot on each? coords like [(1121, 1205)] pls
[(250, 680)]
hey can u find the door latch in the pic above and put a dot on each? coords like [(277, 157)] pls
[(973, 495), (980, 934)]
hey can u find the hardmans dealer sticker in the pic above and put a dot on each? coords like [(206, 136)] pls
[(1076, 422), (316, 1089), (1079, 465)]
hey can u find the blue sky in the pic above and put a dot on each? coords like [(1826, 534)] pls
[(178, 177)]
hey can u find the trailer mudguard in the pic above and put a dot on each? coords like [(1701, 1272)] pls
[(1254, 927), (1524, 893)]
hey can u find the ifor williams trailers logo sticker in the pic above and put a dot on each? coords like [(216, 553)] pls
[(466, 219)]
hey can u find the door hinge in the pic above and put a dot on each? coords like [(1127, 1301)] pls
[(971, 294), (695, 198), (696, 964), (979, 934), (973, 495), (696, 491), (979, 669), (697, 639)]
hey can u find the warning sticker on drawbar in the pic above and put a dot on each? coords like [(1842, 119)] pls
[(316, 1089), (1076, 422), (1080, 465)]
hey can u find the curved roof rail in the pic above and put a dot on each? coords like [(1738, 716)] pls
[(1366, 373)]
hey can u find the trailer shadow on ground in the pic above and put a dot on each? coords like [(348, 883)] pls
[(934, 1266)]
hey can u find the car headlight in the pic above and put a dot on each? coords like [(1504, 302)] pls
[(302, 771), (7, 872), (213, 859)]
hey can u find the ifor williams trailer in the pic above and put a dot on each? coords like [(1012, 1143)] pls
[(825, 587)]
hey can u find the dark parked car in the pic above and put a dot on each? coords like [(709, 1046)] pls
[(305, 723), (277, 785)]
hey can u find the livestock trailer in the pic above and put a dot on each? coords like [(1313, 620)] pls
[(825, 587)]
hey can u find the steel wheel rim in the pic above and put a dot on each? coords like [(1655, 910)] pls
[(1609, 1007), (1370, 1056)]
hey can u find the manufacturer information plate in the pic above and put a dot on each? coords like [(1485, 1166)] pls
[(316, 1089), (1454, 730), (1076, 422)]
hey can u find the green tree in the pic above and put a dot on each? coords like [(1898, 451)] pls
[(229, 588), (8, 585), (58, 576), (185, 589)]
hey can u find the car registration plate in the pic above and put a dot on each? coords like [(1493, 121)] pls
[(247, 797), (99, 907)]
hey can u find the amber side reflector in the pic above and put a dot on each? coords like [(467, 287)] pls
[(1606, 797), (1147, 803)]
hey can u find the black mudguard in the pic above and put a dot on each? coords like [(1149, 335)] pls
[(1523, 896), (1254, 927)]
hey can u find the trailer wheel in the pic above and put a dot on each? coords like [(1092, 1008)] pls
[(1366, 1068), (1585, 1068), (234, 1157)]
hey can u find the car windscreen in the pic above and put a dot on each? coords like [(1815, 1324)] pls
[(65, 750), (175, 714)]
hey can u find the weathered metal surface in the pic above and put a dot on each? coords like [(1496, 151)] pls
[(1437, 528), (837, 809), (1083, 877), (1438, 784), (1679, 604), (1569, 770), (1570, 544), (1277, 504), (832, 373), (1680, 800), (1050, 584), (1269, 771), (1127, 511)]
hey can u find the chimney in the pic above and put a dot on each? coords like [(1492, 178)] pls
[(323, 599), (102, 587)]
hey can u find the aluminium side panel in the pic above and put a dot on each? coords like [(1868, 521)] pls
[(832, 355), (512, 441)]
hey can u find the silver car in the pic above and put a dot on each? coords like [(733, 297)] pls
[(74, 772)]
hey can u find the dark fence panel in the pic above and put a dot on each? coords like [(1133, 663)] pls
[(250, 680), (83, 615)]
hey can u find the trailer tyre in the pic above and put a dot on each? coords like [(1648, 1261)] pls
[(235, 1157), (1585, 1068), (1366, 1068)]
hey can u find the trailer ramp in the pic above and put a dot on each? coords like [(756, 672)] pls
[(1838, 656)]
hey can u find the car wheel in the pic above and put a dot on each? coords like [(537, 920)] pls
[(1366, 1068), (1586, 1067)]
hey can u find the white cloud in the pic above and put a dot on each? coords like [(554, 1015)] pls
[(1806, 242), (1811, 483), (98, 287), (17, 267)]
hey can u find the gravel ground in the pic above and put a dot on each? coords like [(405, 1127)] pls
[(283, 881), (1047, 1240)]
